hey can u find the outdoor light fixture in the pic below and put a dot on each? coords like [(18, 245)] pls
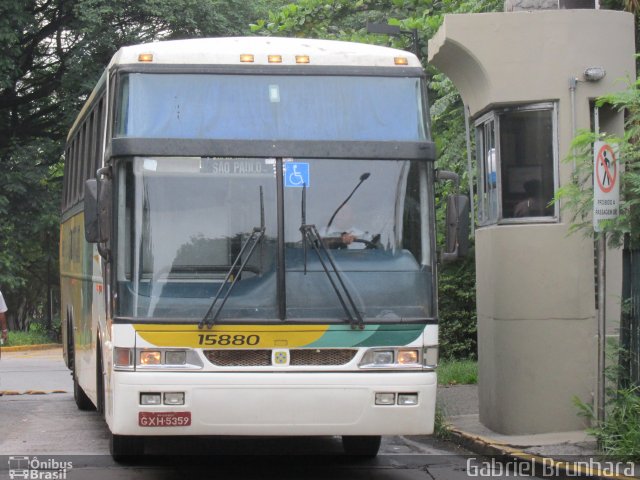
[(594, 74)]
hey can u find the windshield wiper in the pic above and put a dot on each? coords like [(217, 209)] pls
[(311, 236), (254, 239)]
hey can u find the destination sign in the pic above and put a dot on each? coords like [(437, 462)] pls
[(237, 166)]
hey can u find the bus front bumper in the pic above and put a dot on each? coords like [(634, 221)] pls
[(274, 403)]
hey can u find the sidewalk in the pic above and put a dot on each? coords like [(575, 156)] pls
[(569, 452)]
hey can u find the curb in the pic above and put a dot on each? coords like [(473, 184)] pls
[(14, 393), (23, 348), (488, 447)]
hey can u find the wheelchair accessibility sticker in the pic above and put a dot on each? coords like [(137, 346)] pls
[(296, 174)]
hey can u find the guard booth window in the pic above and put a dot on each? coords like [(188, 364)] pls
[(517, 161)]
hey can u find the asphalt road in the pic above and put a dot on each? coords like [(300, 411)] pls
[(38, 423)]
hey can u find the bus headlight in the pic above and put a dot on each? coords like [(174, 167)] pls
[(377, 358), (409, 357), (167, 358), (175, 357), (150, 357), (392, 358)]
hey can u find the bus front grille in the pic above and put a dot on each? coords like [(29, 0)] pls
[(329, 356), (239, 358), (297, 357)]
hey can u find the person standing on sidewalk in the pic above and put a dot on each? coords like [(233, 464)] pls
[(3, 318)]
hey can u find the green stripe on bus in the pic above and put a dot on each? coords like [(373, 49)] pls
[(340, 336), (388, 335)]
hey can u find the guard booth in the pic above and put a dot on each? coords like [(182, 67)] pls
[(528, 80)]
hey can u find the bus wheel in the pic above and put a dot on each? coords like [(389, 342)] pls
[(361, 446), (100, 382), (83, 402), (126, 448)]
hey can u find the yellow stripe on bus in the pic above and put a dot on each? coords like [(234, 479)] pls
[(230, 336)]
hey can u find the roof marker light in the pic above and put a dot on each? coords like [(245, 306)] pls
[(303, 59), (246, 58), (145, 57), (275, 58), (401, 60)]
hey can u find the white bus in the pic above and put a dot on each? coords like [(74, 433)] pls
[(247, 243)]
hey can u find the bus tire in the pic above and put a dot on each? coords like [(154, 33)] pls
[(126, 448), (364, 446), (100, 381), (83, 402)]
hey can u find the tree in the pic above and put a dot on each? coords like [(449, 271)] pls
[(53, 53), (577, 196)]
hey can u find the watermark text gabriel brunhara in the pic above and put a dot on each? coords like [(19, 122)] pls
[(38, 469), (547, 467)]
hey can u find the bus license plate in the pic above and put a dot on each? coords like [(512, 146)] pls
[(164, 419)]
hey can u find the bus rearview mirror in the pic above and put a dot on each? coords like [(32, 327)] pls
[(457, 228), (91, 229), (97, 211)]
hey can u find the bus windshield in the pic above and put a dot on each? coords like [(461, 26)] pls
[(272, 107), (183, 221)]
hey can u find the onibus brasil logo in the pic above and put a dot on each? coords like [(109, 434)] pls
[(33, 468)]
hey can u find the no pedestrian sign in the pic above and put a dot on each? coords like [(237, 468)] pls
[(606, 183)]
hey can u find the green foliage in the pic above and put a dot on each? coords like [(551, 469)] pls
[(458, 372), (36, 335), (577, 196), (441, 428), (619, 436), (457, 304), (53, 54), (347, 19)]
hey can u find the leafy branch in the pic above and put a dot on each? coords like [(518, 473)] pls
[(576, 197)]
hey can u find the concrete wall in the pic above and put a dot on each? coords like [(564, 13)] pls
[(535, 282), (536, 327)]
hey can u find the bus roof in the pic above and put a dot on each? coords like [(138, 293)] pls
[(227, 51)]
